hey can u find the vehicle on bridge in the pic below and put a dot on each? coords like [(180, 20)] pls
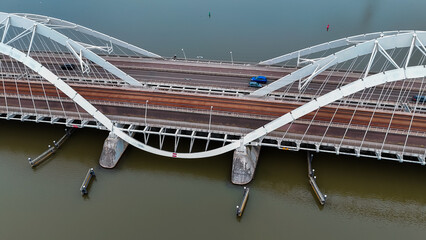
[(418, 98), (259, 79), (68, 66), (255, 84)]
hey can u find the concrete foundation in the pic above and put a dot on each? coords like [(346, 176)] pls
[(244, 164), (113, 148)]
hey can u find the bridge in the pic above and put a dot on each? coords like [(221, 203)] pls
[(352, 96)]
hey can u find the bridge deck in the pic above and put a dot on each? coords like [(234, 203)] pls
[(361, 127), (182, 93), (228, 79)]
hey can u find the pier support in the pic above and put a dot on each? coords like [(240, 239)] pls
[(244, 164), (113, 148), (51, 149), (311, 175)]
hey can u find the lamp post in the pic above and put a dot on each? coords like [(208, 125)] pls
[(232, 58), (210, 120), (184, 55), (146, 110)]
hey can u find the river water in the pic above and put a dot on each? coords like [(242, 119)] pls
[(150, 197)]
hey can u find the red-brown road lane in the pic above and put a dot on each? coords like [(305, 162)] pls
[(219, 76), (296, 130), (342, 115)]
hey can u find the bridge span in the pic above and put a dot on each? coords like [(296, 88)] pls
[(352, 96)]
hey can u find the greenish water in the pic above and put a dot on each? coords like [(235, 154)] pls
[(158, 198), (253, 30), (150, 197)]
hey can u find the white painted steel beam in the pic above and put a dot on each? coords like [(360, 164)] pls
[(83, 65), (370, 62), (413, 42), (349, 41), (59, 23), (387, 56), (401, 40), (32, 39), (305, 82), (25, 23), (21, 35), (6, 22)]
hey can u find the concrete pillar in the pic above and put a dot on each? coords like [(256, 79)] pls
[(113, 148), (244, 164)]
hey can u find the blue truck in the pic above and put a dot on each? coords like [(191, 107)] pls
[(259, 79)]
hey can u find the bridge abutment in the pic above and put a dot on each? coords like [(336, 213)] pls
[(244, 164)]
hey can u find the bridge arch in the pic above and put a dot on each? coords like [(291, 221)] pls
[(76, 48), (409, 39), (343, 42), (56, 23), (356, 86)]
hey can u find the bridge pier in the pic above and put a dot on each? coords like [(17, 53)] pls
[(112, 150), (244, 164)]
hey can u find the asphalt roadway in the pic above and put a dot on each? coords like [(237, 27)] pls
[(232, 77), (363, 124), (332, 122)]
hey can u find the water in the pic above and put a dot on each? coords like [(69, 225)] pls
[(149, 197), (253, 30)]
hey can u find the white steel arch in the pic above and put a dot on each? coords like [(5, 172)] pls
[(75, 47), (348, 41), (349, 89), (381, 44), (56, 23)]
